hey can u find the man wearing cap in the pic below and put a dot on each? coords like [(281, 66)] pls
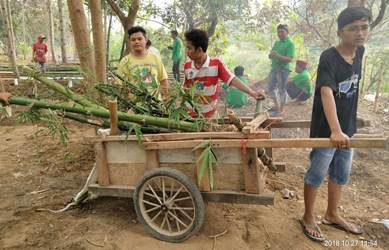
[(39, 51), (281, 57), (334, 116), (300, 88)]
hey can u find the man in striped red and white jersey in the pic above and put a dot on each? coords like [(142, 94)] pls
[(204, 72)]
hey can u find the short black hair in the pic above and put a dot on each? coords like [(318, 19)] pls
[(198, 38), (283, 26), (135, 29), (174, 32), (352, 14), (239, 70)]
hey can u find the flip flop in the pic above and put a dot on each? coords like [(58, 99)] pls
[(344, 227), (314, 227), (274, 113), (272, 109)]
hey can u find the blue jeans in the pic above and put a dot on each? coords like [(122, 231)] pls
[(176, 71), (334, 162), (276, 87)]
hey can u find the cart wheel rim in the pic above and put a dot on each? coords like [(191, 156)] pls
[(167, 206)]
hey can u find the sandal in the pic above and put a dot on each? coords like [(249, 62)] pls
[(307, 228), (347, 227)]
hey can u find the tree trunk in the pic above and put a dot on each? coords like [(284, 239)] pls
[(62, 31), (126, 21), (81, 38), (108, 38), (51, 31), (11, 48), (24, 30), (11, 26), (356, 3), (98, 40)]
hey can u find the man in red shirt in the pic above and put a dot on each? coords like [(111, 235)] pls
[(39, 51), (204, 72)]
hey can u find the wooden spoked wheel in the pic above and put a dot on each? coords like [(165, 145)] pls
[(169, 205)]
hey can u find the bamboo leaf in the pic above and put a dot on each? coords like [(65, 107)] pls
[(203, 168), (210, 171), (203, 144)]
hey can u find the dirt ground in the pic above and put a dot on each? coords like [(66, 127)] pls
[(37, 172)]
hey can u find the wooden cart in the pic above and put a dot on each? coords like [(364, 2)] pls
[(161, 172)]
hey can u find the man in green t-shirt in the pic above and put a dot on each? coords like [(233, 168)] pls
[(300, 87), (281, 57), (176, 55), (235, 97)]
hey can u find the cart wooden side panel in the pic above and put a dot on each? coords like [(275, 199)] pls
[(126, 161)]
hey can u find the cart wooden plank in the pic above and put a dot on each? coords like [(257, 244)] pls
[(101, 164), (152, 160), (250, 171), (183, 136), (277, 122), (271, 143), (214, 196), (252, 126)]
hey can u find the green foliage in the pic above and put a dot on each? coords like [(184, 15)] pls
[(55, 126), (24, 48), (5, 112), (161, 39), (115, 46), (30, 115), (137, 130)]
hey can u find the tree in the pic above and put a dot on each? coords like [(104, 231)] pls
[(81, 38), (98, 40), (127, 21), (356, 3), (51, 31), (6, 14), (62, 32), (205, 14)]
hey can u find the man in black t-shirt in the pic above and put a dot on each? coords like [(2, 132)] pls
[(334, 116)]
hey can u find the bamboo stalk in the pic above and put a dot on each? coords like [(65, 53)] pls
[(105, 123), (61, 89), (103, 113)]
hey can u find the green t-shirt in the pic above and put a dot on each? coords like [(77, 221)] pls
[(235, 97), (303, 81), (284, 48), (177, 50)]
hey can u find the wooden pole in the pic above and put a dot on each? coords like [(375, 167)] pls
[(270, 143), (378, 87), (101, 164), (113, 117)]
